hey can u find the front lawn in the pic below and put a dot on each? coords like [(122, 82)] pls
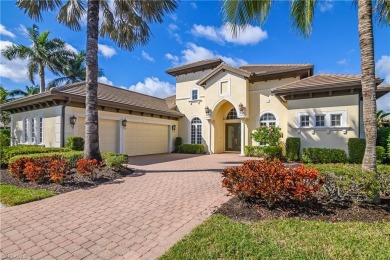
[(222, 238), (11, 195)]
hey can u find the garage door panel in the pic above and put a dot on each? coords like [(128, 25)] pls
[(143, 139)]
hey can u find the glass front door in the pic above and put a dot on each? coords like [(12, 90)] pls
[(232, 137)]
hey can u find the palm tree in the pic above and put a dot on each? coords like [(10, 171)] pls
[(380, 116), (74, 71), (29, 91), (240, 13), (43, 53), (6, 95), (124, 22)]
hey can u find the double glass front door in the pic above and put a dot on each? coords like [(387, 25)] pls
[(232, 137)]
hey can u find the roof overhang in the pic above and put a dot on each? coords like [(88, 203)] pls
[(301, 72), (194, 67), (223, 67)]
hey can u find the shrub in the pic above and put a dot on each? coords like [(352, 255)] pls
[(16, 168), (9, 152), (114, 160), (263, 151), (323, 155), (356, 147), (178, 142), (267, 135), (5, 137), (271, 181), (192, 148), (88, 168), (383, 135), (70, 157), (34, 172), (388, 147), (75, 143), (293, 145), (380, 154), (346, 182)]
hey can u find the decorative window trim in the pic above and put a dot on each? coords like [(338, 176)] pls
[(268, 112), (220, 88), (190, 130)]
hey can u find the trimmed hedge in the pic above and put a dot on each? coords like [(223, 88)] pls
[(293, 145), (380, 154), (264, 151), (356, 147), (178, 142), (12, 151), (114, 160), (383, 135), (5, 137), (323, 155), (192, 148), (75, 143), (71, 157)]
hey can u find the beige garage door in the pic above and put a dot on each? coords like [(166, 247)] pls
[(108, 134), (143, 139)]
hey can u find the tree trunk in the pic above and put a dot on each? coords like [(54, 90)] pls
[(366, 40), (91, 147), (42, 78)]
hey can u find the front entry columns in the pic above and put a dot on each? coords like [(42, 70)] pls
[(242, 137), (209, 146)]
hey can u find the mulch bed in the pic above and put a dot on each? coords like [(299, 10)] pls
[(326, 211), (73, 181)]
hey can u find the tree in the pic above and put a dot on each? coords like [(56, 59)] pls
[(380, 116), (124, 22), (240, 13), (6, 95), (43, 53), (29, 90), (74, 71)]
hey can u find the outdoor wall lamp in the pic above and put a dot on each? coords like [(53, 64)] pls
[(72, 120), (241, 107), (124, 122), (207, 110), (173, 128)]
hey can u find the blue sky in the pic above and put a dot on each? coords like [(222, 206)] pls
[(195, 31)]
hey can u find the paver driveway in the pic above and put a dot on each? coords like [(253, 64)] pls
[(136, 217)]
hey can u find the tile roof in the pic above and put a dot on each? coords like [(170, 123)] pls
[(223, 66), (194, 65), (260, 69)]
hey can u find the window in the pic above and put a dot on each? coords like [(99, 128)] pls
[(196, 131), (232, 114), (320, 120), (25, 130), (335, 120), (224, 88), (267, 119), (194, 94), (40, 130), (305, 120), (33, 124)]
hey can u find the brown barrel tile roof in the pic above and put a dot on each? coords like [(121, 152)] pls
[(199, 65), (275, 68)]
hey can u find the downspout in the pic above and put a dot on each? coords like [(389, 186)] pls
[(62, 142)]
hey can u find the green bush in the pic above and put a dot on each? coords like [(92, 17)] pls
[(293, 145), (348, 182), (114, 160), (11, 151), (5, 137), (383, 135), (178, 142), (263, 151), (388, 147), (323, 155), (267, 135), (356, 147), (71, 156), (192, 148), (380, 154), (75, 143)]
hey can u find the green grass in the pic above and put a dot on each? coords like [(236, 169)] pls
[(11, 195), (222, 238)]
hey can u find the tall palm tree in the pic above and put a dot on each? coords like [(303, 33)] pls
[(6, 95), (240, 13), (29, 91), (43, 53), (74, 71), (123, 21)]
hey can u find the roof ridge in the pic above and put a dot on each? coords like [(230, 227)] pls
[(275, 65), (128, 90)]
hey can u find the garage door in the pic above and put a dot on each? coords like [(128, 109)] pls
[(108, 134), (143, 139)]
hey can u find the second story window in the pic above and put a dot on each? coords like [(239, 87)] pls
[(194, 94), (335, 120), (305, 120), (320, 120)]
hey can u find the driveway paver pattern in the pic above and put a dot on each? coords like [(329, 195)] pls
[(133, 218)]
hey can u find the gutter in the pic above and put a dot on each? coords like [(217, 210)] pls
[(62, 138)]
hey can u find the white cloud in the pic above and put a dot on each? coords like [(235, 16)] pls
[(106, 50), (343, 62), (15, 70), (172, 28), (248, 36), (146, 56), (4, 31), (382, 67), (174, 17), (173, 58), (154, 87), (193, 5), (71, 48), (105, 80), (326, 5)]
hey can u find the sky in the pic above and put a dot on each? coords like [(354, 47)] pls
[(195, 31)]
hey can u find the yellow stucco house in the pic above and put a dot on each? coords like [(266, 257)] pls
[(215, 104)]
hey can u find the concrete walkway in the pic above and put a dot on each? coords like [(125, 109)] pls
[(134, 218)]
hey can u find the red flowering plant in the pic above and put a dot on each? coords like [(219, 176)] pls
[(88, 168), (58, 170)]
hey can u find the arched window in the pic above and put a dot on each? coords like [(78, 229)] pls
[(196, 131), (232, 114), (268, 119)]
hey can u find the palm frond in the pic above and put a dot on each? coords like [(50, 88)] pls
[(382, 11), (33, 8), (302, 14), (71, 13), (32, 70)]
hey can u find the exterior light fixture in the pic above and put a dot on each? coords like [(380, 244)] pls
[(241, 107), (72, 120), (207, 110), (124, 122), (173, 128)]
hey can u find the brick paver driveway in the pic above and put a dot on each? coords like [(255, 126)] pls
[(136, 217)]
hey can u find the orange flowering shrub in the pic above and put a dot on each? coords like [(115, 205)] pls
[(34, 172), (58, 169), (16, 168), (271, 181), (88, 168)]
